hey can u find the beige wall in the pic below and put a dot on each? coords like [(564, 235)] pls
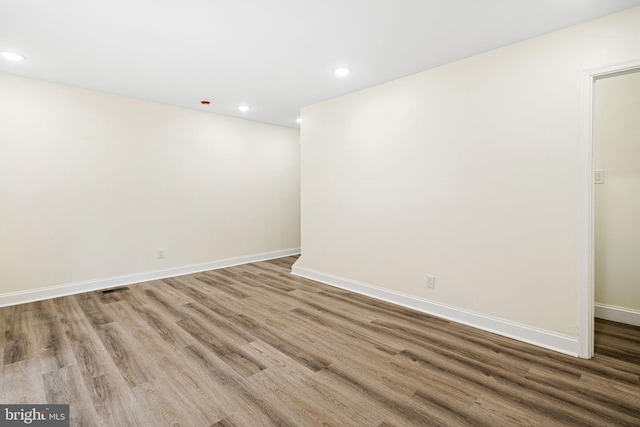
[(617, 201), (468, 171), (91, 185)]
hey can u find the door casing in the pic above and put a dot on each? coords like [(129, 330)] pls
[(586, 230)]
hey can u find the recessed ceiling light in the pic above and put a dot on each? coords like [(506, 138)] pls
[(299, 120), (12, 56), (244, 108), (341, 71)]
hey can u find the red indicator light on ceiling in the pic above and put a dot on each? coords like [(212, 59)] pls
[(205, 102)]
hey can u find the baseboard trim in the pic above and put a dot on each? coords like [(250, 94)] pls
[(539, 337), (617, 314), (21, 297)]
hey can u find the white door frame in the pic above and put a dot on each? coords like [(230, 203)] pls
[(586, 212)]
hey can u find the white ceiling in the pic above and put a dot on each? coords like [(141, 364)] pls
[(274, 55)]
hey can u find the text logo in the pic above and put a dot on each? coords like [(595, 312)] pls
[(34, 415)]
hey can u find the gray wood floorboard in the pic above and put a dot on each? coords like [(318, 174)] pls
[(252, 345)]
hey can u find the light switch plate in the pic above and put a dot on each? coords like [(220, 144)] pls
[(598, 176)]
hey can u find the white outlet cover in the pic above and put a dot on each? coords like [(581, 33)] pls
[(431, 281)]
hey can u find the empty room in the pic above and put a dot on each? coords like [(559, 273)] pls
[(337, 213)]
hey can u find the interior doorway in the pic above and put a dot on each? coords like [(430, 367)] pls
[(616, 162), (587, 221)]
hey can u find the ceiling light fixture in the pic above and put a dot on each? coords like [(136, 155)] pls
[(341, 71), (12, 56), (299, 120), (244, 108)]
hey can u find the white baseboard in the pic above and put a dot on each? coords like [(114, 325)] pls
[(540, 337), (617, 314), (13, 298)]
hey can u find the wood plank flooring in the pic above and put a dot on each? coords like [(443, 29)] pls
[(253, 345)]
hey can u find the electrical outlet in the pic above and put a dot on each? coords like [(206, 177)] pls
[(160, 253), (431, 281)]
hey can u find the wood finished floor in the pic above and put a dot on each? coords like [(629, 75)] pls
[(253, 345)]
